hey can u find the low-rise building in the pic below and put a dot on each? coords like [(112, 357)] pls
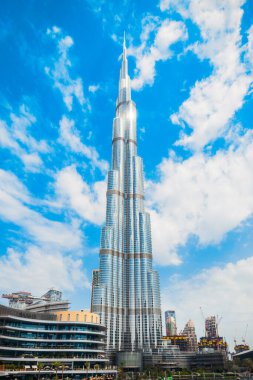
[(70, 342), (168, 356)]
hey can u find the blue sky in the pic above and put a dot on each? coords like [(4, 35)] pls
[(191, 68)]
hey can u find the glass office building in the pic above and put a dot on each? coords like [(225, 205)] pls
[(32, 342), (126, 289)]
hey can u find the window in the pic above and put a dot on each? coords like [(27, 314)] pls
[(68, 317), (77, 317)]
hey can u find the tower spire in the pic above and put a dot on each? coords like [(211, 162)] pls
[(124, 40), (124, 67), (124, 82)]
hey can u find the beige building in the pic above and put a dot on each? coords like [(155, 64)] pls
[(189, 330), (77, 316)]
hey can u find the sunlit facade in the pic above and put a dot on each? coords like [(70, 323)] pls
[(126, 289)]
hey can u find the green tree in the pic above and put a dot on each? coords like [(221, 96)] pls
[(56, 366), (39, 368), (248, 363), (87, 366), (63, 366), (96, 367)]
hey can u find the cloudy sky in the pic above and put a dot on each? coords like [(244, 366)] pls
[(191, 65)]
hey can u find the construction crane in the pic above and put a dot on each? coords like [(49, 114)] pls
[(244, 337)]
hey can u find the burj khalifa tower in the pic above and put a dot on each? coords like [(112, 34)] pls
[(125, 288)]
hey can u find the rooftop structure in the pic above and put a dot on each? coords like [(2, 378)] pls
[(49, 302)]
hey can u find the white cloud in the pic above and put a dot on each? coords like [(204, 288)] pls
[(214, 100), (16, 137), (226, 292), (202, 196), (40, 269), (164, 34), (94, 88), (60, 71), (69, 137), (20, 125), (16, 207), (88, 201)]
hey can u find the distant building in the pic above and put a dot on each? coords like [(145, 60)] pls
[(95, 283), (211, 327), (33, 342), (189, 330), (170, 323), (212, 342), (241, 348)]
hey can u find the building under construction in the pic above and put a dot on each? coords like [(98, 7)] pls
[(189, 330), (182, 341), (211, 327), (241, 347), (212, 341), (212, 344)]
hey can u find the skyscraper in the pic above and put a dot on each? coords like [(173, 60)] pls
[(211, 327), (126, 289), (170, 322)]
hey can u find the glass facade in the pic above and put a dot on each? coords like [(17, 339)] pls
[(126, 289), (28, 339)]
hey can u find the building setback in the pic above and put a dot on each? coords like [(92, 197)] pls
[(126, 289)]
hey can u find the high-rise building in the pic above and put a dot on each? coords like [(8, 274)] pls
[(126, 290), (170, 323), (95, 283), (211, 327), (189, 330)]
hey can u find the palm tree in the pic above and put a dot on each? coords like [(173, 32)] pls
[(62, 369), (96, 367), (87, 366), (56, 365), (39, 368)]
